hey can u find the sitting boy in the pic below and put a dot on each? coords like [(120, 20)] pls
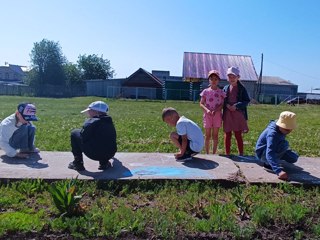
[(17, 133), (188, 138), (272, 146), (96, 139)]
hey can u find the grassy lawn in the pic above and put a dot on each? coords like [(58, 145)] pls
[(145, 209), (140, 127)]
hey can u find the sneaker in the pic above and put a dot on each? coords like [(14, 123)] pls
[(34, 150), (193, 154), (268, 168), (104, 166), (184, 158), (76, 166)]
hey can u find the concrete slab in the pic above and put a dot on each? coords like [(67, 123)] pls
[(305, 170), (53, 165)]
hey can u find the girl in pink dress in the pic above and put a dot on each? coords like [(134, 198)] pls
[(211, 102), (235, 110)]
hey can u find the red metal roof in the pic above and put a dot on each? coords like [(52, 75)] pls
[(197, 65)]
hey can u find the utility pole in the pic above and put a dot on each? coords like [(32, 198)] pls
[(258, 90)]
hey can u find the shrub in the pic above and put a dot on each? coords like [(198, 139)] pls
[(65, 198)]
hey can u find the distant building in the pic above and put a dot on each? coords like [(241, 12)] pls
[(140, 84), (161, 85), (12, 74), (276, 90), (175, 88), (277, 85), (197, 65)]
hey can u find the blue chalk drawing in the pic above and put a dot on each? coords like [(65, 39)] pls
[(170, 172)]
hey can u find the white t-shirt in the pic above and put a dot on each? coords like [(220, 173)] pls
[(194, 134)]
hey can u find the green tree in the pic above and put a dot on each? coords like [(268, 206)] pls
[(47, 63), (73, 74), (94, 67)]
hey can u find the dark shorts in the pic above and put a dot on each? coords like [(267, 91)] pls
[(189, 151)]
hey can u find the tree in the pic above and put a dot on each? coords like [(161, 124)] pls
[(47, 64), (94, 67), (73, 74)]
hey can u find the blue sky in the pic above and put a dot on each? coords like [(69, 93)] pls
[(154, 34)]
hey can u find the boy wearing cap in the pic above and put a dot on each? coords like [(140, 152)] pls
[(96, 139), (272, 146), (211, 102), (17, 133)]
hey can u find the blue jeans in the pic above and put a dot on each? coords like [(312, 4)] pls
[(283, 153), (23, 138)]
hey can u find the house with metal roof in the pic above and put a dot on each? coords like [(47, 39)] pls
[(276, 89), (12, 74), (272, 85), (197, 65), (161, 85), (140, 84)]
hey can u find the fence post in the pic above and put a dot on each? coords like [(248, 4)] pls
[(137, 92), (190, 90), (165, 95)]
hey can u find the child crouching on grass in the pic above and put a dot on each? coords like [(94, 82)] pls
[(188, 137), (17, 133), (97, 138), (272, 145)]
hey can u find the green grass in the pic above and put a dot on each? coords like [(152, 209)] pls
[(165, 209), (141, 129)]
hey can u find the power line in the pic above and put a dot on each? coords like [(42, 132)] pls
[(292, 70)]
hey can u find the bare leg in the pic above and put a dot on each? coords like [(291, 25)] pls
[(227, 142), (215, 139), (207, 140), (238, 136), (175, 139)]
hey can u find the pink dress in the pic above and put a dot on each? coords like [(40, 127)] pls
[(213, 99), (234, 121)]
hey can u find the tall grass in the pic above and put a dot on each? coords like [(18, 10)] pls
[(141, 129), (163, 210)]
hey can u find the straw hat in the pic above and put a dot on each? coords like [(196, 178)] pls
[(287, 120)]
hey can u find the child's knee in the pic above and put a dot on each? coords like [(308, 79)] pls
[(290, 156), (173, 135)]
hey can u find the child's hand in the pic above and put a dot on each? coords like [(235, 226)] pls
[(210, 112), (283, 176), (232, 108)]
